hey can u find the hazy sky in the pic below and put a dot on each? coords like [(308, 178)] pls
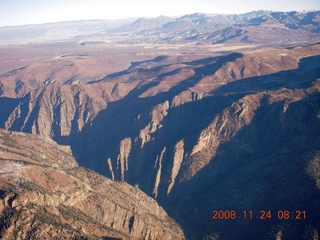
[(19, 12)]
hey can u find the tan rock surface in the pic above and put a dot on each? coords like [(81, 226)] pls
[(44, 194)]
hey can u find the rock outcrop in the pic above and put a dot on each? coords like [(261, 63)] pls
[(45, 194), (236, 131)]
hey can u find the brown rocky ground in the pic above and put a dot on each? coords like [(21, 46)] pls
[(176, 125), (46, 195)]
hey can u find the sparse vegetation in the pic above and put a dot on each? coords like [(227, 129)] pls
[(7, 217), (72, 213), (42, 215), (9, 140), (29, 186)]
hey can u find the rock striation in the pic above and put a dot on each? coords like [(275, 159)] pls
[(231, 131), (45, 194)]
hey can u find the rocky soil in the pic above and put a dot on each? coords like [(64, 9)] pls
[(45, 194), (215, 130)]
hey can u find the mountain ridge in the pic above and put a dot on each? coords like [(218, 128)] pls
[(44, 194), (202, 113), (220, 99), (104, 30)]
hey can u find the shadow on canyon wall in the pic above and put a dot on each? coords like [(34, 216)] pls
[(261, 168), (268, 175)]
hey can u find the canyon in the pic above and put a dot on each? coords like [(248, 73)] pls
[(200, 113)]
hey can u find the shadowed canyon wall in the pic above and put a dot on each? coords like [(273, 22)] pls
[(232, 132)]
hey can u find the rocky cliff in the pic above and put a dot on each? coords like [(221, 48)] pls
[(234, 131), (45, 194), (222, 138)]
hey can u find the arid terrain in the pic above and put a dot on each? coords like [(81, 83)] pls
[(46, 195), (200, 114)]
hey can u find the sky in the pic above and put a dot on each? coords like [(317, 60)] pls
[(22, 12)]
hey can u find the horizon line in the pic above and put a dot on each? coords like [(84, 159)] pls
[(147, 17)]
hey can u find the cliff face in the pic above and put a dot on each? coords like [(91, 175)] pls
[(221, 146), (237, 131), (44, 194)]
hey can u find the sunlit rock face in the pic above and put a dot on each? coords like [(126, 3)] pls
[(45, 194), (214, 117)]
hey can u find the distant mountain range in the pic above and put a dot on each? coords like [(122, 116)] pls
[(215, 117), (254, 27)]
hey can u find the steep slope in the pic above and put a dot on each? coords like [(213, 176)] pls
[(44, 194), (254, 155), (57, 110), (182, 142), (198, 134)]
